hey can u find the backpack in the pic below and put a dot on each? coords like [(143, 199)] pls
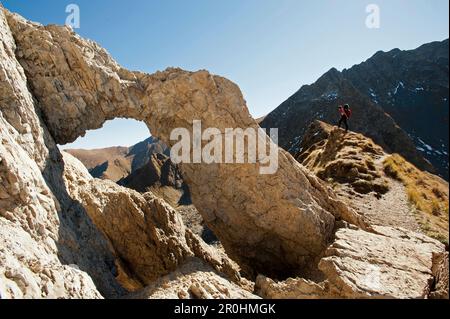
[(348, 112)]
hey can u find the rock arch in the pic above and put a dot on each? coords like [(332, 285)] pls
[(273, 224)]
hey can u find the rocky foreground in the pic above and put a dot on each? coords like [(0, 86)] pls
[(65, 234)]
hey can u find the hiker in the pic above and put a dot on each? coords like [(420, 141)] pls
[(345, 113)]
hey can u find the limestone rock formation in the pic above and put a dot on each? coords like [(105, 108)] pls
[(65, 234), (146, 167), (193, 280), (129, 219), (291, 288), (288, 217), (440, 272), (50, 246), (29, 270), (35, 255), (344, 158), (392, 263), (389, 263)]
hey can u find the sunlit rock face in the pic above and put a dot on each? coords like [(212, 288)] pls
[(274, 223), (65, 234)]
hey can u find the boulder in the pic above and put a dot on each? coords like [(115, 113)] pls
[(390, 263), (193, 280)]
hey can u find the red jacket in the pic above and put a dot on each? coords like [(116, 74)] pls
[(347, 113)]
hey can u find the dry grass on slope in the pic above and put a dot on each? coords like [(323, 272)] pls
[(107, 163), (345, 158), (96, 157), (426, 192)]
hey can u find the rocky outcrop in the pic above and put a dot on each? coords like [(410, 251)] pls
[(287, 217), (389, 263), (440, 272), (28, 269), (412, 87), (41, 226), (291, 288), (341, 157), (148, 168), (65, 234), (193, 280)]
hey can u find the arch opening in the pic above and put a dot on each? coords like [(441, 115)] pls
[(244, 208), (123, 132), (124, 151)]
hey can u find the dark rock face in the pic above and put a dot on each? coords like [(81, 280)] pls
[(412, 86), (158, 171), (142, 152), (399, 99)]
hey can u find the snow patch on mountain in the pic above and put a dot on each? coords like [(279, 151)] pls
[(400, 84), (330, 96)]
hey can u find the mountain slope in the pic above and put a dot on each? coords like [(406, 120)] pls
[(146, 167), (96, 157), (320, 101), (412, 86), (116, 163), (372, 117), (384, 188)]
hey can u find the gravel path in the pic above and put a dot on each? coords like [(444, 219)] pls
[(392, 209)]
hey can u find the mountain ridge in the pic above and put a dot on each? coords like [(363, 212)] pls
[(383, 187), (294, 114), (118, 162)]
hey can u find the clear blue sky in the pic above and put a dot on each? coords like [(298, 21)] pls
[(268, 47)]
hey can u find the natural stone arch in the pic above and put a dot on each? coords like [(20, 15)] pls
[(273, 224)]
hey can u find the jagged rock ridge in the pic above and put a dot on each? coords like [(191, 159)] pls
[(116, 163)]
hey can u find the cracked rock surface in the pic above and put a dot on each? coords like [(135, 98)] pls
[(288, 216), (64, 234)]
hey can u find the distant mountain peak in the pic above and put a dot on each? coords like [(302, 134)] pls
[(115, 163), (400, 100)]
